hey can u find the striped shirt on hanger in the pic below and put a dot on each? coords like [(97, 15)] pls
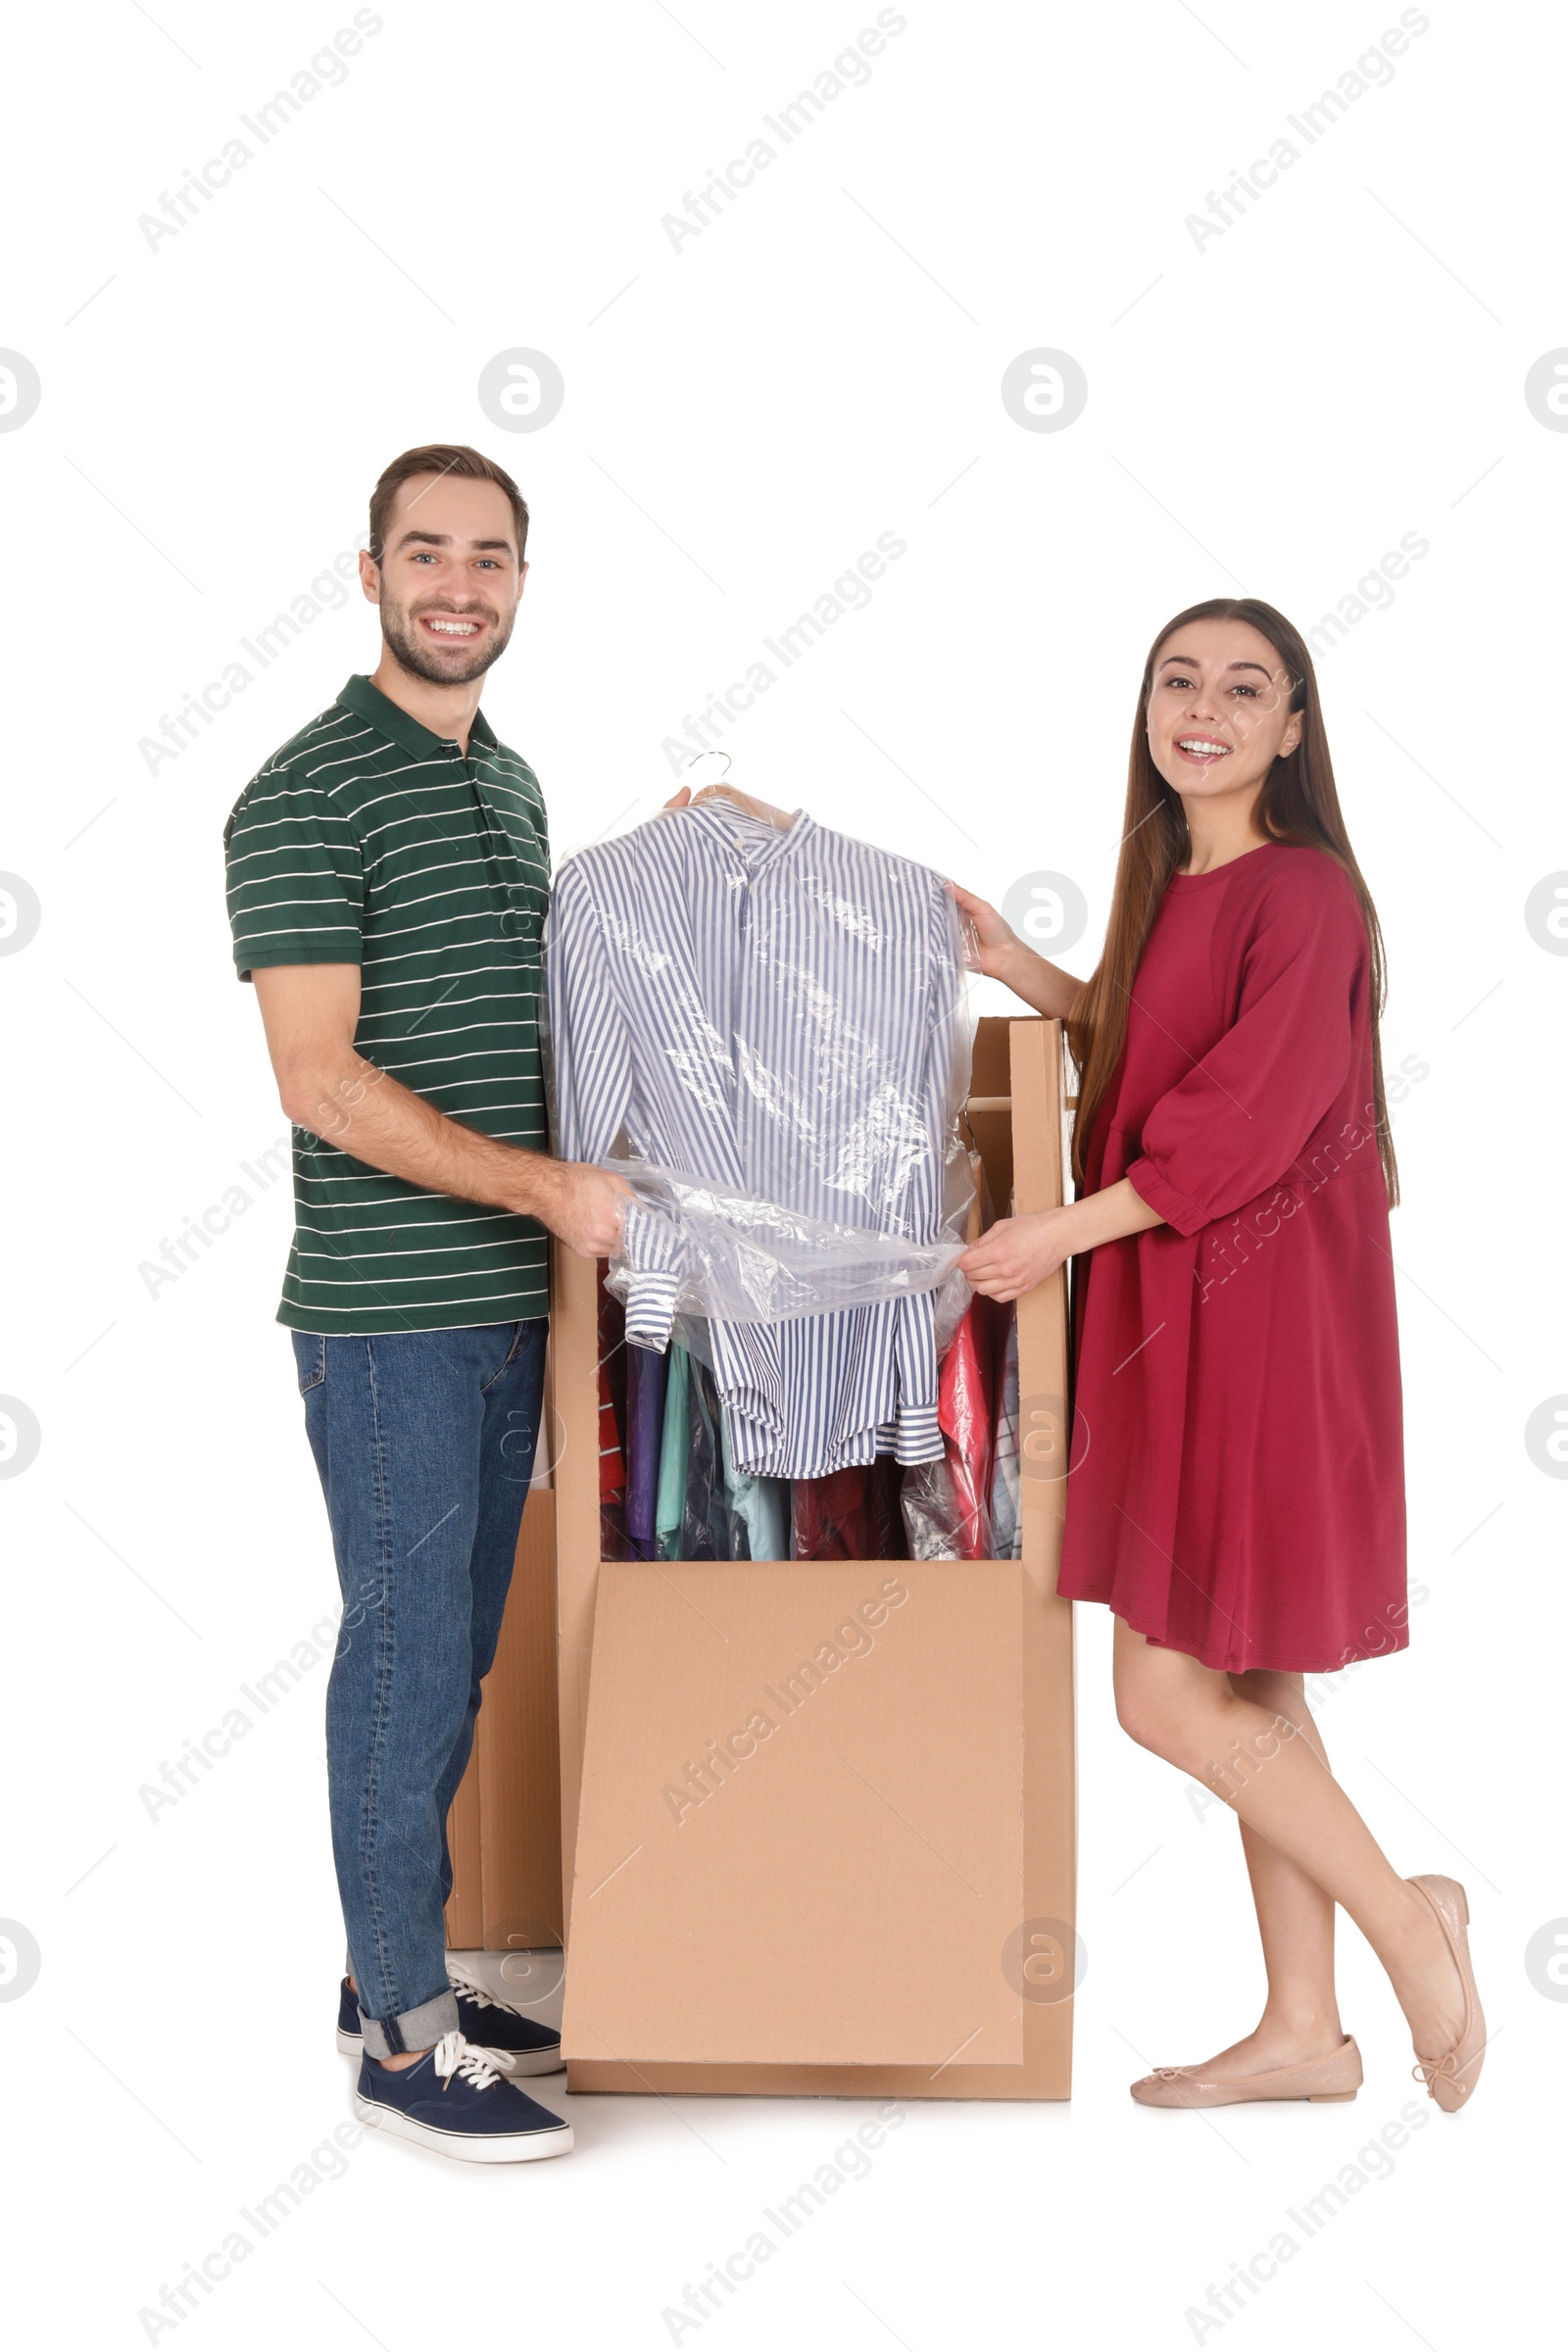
[(780, 1013), (367, 840)]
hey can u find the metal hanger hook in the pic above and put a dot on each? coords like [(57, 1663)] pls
[(724, 756)]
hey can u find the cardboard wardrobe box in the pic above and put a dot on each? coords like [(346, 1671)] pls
[(818, 1817), (504, 1827)]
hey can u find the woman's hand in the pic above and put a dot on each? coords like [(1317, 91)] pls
[(1019, 1254), (1000, 944), (1004, 956)]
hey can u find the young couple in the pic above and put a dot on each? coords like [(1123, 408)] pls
[(1237, 1495)]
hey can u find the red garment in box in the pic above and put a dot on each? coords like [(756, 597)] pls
[(612, 1543), (851, 1514), (1238, 1489), (947, 1505), (827, 1516)]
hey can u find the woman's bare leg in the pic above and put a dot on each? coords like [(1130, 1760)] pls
[(1279, 1785), (1300, 2017)]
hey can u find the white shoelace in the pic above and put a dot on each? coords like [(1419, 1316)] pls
[(454, 2056), (472, 1989)]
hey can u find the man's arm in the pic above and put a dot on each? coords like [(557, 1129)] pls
[(310, 1012)]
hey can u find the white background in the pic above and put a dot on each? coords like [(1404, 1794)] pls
[(1341, 367)]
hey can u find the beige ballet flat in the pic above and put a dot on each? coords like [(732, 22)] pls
[(1451, 2079), (1336, 2076)]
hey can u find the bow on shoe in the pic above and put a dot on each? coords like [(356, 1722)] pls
[(1427, 2071)]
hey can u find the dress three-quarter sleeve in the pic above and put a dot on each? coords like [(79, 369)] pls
[(1239, 1119)]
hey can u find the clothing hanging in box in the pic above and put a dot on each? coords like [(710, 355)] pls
[(964, 1507), (777, 1013)]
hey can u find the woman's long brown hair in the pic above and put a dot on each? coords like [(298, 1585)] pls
[(1297, 803)]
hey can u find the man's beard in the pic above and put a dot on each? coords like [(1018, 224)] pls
[(398, 626)]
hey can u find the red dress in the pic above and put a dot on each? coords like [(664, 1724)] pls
[(1238, 1482)]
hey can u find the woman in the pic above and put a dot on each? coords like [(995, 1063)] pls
[(1236, 1495)]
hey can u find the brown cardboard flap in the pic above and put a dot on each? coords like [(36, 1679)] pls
[(574, 1347), (464, 1915), (519, 1754), (990, 1066), (801, 1838), (503, 1829)]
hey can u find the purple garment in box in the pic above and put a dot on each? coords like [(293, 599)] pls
[(646, 1376)]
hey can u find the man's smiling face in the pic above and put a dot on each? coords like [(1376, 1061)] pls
[(449, 579)]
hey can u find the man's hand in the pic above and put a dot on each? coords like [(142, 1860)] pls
[(584, 1207)]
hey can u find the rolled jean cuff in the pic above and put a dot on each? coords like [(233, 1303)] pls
[(415, 2030)]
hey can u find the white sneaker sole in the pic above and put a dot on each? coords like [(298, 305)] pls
[(508, 2062), (523, 2147)]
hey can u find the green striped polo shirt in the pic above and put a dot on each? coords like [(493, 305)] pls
[(367, 840)]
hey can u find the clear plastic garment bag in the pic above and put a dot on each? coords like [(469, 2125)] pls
[(763, 1026)]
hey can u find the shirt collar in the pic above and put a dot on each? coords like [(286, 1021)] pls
[(711, 817), (366, 701)]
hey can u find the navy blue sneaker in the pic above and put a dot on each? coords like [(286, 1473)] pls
[(456, 2102), (518, 2045)]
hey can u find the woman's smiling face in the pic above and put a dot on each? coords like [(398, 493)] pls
[(1219, 710)]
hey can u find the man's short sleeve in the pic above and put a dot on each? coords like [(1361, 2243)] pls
[(296, 875)]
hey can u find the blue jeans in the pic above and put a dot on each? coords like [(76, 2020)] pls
[(425, 1441)]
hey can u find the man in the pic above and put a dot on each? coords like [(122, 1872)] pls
[(388, 876)]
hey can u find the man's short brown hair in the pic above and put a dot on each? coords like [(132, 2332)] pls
[(442, 458)]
